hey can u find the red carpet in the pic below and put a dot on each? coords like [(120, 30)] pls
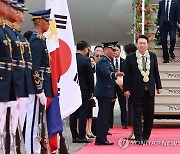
[(162, 141)]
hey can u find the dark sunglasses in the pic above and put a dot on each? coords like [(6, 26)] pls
[(98, 55)]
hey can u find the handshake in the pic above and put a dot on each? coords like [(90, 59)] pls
[(119, 74), (42, 98), (119, 80)]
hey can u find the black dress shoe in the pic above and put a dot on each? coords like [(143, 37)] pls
[(172, 55), (166, 61), (104, 143), (91, 136), (145, 141), (124, 127), (108, 133), (131, 137), (85, 140), (139, 142), (75, 140)]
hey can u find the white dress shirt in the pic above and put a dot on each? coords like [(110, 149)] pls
[(118, 59)]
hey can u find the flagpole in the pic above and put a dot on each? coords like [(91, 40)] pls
[(143, 15), (134, 18)]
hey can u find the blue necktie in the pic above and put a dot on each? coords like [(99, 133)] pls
[(116, 65), (167, 11), (144, 63)]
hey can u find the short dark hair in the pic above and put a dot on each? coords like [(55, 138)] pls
[(28, 34), (82, 45), (91, 57), (98, 46), (129, 48), (144, 37)]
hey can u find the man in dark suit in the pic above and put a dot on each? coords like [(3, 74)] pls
[(104, 91), (178, 27), (86, 82), (141, 76), (168, 18), (119, 65)]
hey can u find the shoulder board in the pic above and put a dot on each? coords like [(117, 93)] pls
[(1, 21), (9, 24)]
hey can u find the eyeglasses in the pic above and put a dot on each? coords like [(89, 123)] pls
[(98, 56)]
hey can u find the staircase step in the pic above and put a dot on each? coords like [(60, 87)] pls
[(170, 109), (159, 52), (153, 44), (166, 121), (176, 60), (167, 99), (169, 66), (171, 90), (154, 31), (159, 48), (170, 74), (166, 82)]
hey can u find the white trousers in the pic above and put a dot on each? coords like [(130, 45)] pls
[(18, 114), (32, 142), (3, 112)]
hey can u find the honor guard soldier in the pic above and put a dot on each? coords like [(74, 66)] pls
[(18, 65), (25, 46), (6, 85), (42, 78)]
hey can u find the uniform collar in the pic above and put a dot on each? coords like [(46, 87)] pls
[(17, 27), (107, 58), (39, 35)]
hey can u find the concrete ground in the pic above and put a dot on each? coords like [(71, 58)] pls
[(73, 147)]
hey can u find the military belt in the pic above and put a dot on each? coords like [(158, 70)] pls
[(45, 69), (6, 66), (29, 65), (18, 63)]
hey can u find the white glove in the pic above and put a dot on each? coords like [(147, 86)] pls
[(42, 98)]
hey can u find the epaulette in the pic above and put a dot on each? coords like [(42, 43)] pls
[(1, 21), (9, 24), (42, 37), (17, 27)]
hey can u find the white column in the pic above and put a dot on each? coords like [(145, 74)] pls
[(143, 15)]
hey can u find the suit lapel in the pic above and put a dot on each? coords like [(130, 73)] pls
[(163, 5)]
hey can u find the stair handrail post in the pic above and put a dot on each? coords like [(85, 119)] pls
[(143, 15)]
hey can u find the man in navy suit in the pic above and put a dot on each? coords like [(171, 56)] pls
[(119, 65), (141, 77), (105, 91), (86, 82), (178, 27), (168, 18)]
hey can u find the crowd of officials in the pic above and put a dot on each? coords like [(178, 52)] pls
[(105, 76)]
